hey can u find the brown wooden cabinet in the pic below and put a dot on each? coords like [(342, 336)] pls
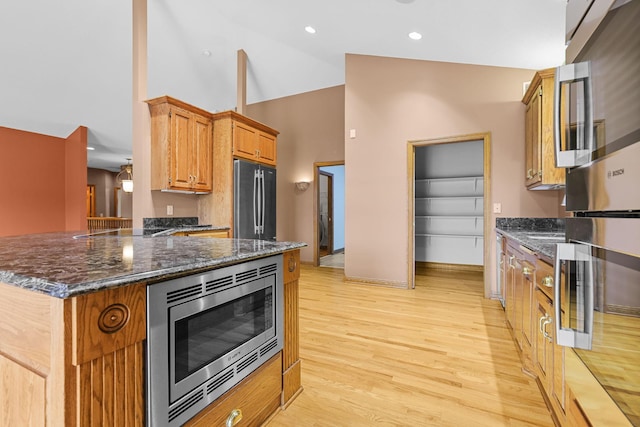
[(204, 233), (252, 143), (72, 362), (291, 366), (529, 309), (540, 171), (181, 146), (549, 355), (249, 403)]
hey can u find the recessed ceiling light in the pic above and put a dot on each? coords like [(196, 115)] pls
[(309, 29), (415, 36), (206, 52), (90, 148)]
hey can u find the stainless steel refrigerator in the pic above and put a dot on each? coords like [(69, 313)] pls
[(254, 215)]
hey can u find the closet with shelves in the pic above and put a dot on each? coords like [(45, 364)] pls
[(449, 203)]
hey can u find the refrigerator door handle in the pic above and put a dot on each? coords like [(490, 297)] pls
[(567, 74), (256, 177), (262, 212), (570, 337)]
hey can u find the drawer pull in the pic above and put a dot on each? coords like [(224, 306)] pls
[(547, 281), (234, 418)]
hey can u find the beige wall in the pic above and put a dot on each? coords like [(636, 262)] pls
[(311, 127), (391, 101)]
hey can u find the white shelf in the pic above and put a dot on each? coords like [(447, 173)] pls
[(450, 249), (449, 225), (449, 206), (450, 187)]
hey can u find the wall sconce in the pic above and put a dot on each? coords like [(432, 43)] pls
[(125, 177), (302, 185)]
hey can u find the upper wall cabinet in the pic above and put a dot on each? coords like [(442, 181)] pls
[(252, 140), (540, 171), (181, 146)]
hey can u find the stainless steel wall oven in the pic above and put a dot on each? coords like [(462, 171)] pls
[(208, 331), (598, 140)]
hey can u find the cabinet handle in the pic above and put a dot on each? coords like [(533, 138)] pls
[(547, 281), (548, 320), (527, 271), (511, 257), (540, 173), (529, 173), (234, 418)]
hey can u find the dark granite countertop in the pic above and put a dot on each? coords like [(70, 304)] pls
[(64, 265), (537, 234)]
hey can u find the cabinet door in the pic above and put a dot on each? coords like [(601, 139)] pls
[(267, 148), (245, 143), (533, 172), (510, 288), (180, 161), (201, 157), (544, 349), (528, 288)]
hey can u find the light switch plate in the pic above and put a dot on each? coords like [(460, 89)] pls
[(169, 209), (497, 207)]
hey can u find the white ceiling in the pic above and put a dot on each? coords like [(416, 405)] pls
[(69, 63)]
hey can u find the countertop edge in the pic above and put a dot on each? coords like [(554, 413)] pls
[(63, 291)]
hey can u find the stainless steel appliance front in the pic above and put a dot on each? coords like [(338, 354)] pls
[(597, 137), (206, 332)]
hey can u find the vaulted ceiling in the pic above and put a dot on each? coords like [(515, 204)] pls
[(66, 64)]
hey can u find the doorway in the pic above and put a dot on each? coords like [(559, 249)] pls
[(329, 214), (441, 224)]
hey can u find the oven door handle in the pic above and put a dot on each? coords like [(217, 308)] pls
[(566, 74), (569, 337)]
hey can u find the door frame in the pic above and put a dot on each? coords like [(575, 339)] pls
[(411, 168), (316, 205), (329, 210)]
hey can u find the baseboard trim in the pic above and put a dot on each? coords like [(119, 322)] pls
[(374, 282), (449, 267)]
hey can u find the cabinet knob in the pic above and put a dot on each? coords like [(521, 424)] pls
[(234, 418), (547, 281), (526, 271)]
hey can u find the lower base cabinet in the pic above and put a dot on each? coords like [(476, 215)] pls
[(249, 403)]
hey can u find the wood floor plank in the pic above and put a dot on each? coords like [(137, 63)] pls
[(438, 355)]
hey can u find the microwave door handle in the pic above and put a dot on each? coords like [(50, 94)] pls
[(569, 337), (567, 74)]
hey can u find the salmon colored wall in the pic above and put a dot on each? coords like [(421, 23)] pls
[(44, 182), (392, 101), (311, 127)]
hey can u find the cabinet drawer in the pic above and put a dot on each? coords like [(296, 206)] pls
[(106, 321), (255, 398)]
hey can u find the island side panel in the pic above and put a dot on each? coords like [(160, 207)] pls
[(291, 380), (106, 352), (32, 378)]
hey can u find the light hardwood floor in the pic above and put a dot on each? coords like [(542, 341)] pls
[(439, 355)]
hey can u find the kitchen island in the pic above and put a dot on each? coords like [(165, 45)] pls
[(73, 319)]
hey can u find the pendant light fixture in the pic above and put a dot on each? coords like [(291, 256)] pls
[(125, 177)]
